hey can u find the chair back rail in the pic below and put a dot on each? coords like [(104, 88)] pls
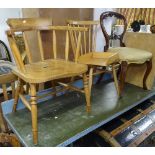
[(88, 37)]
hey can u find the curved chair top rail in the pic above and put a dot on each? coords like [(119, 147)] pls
[(44, 28), (28, 22), (83, 22), (105, 15)]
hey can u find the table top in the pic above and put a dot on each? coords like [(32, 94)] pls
[(63, 120), (99, 58)]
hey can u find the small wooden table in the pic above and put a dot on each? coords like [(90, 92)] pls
[(101, 59)]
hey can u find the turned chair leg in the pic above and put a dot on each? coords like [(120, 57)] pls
[(115, 79), (18, 90), (87, 93), (124, 67), (148, 70), (34, 113)]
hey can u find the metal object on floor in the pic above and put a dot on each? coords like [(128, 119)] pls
[(132, 131)]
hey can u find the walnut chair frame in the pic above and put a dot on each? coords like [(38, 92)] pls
[(46, 69), (124, 64)]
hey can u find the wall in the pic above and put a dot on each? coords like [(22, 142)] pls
[(59, 16), (34, 12), (4, 14)]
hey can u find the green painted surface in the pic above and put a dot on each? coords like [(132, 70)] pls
[(64, 118)]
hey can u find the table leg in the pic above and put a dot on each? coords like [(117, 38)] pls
[(87, 93)]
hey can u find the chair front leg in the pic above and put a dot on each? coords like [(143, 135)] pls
[(124, 67), (148, 70), (18, 91), (34, 113), (87, 92)]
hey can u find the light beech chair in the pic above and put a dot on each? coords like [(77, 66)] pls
[(127, 55), (98, 62), (46, 69), (15, 23)]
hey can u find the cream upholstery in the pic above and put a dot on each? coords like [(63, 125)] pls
[(132, 55)]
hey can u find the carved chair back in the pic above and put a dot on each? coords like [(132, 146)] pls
[(103, 17), (88, 37)]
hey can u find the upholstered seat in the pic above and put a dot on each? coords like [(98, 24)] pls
[(132, 55)]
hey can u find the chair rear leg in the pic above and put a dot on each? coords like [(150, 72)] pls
[(100, 78), (53, 83), (34, 113), (148, 70), (18, 90), (124, 67), (87, 92)]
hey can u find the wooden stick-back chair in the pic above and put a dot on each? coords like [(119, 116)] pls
[(98, 62), (46, 69)]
